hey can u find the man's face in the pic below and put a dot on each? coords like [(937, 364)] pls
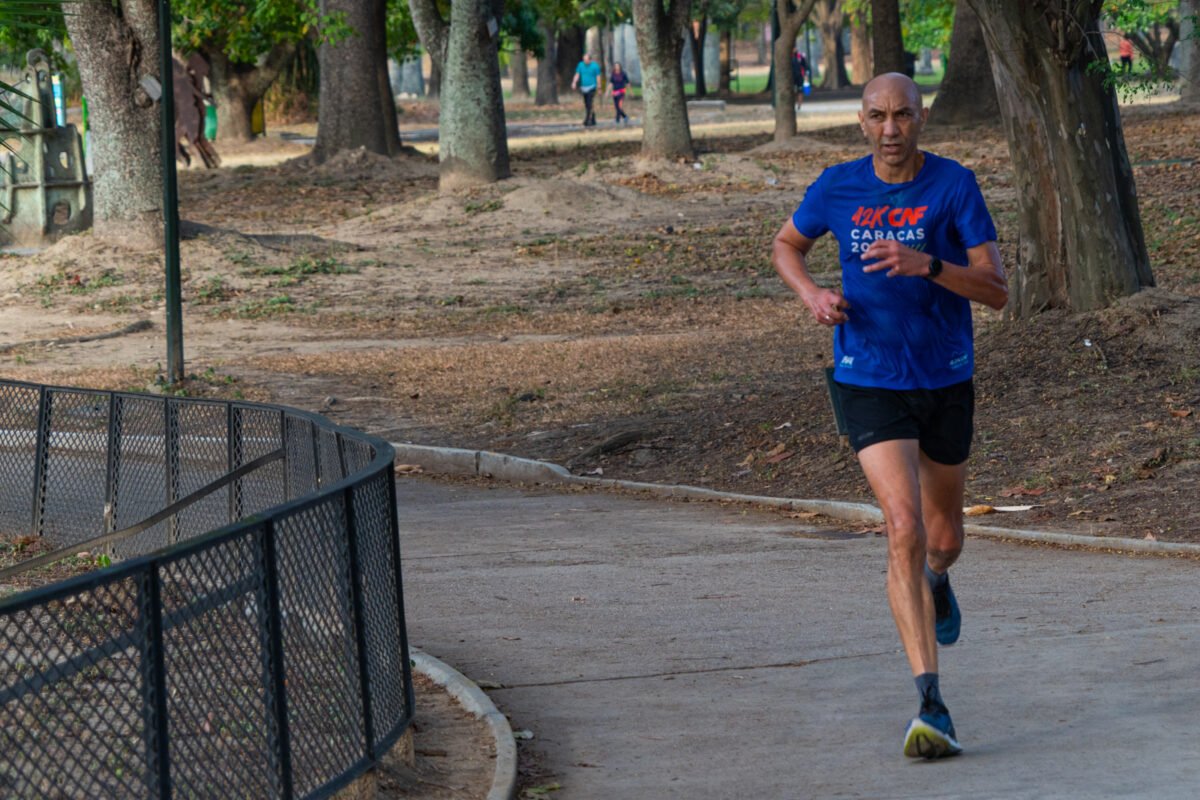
[(587, 58), (892, 119)]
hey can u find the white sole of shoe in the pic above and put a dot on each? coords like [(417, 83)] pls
[(922, 740)]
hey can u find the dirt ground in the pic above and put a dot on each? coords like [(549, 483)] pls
[(594, 294)]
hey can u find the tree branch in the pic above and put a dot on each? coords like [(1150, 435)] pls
[(433, 31)]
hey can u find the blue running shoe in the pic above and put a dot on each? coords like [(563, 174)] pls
[(931, 735), (947, 618)]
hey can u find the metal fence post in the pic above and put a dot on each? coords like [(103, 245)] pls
[(394, 536), (360, 626), (42, 438), (171, 459), (276, 670), (154, 683), (113, 468)]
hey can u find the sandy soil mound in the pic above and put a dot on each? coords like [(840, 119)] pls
[(361, 164)]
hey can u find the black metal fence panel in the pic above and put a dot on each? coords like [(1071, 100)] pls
[(252, 642)]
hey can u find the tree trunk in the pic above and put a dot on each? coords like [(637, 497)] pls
[(764, 36), (355, 95), (697, 33), (547, 72), (569, 53), (434, 88), (968, 94), (1189, 61), (791, 20), (861, 67), (237, 88), (117, 46), (723, 82), (520, 73), (829, 14), (1080, 245), (659, 32), (472, 139), (888, 50)]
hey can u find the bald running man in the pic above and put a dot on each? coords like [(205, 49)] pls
[(917, 245)]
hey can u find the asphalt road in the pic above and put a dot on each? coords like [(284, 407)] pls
[(701, 650)]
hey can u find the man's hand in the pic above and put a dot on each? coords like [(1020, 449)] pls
[(897, 259), (827, 307)]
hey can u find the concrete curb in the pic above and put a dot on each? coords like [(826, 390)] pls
[(458, 461), (472, 698)]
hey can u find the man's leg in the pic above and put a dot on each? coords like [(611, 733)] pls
[(895, 470), (941, 510)]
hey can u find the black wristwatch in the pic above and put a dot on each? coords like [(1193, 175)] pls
[(935, 268)]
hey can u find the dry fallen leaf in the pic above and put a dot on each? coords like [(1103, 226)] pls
[(776, 450), (409, 469), (978, 511), (1011, 509), (1021, 491), (1180, 413), (775, 459)]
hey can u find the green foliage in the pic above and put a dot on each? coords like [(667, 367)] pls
[(926, 23), (245, 31), (1131, 16)]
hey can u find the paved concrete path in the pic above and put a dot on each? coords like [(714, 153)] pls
[(699, 650)]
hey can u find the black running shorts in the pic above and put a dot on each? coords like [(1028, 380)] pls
[(941, 420)]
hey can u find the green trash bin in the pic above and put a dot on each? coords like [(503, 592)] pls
[(210, 123)]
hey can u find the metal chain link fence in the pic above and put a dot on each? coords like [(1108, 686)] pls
[(247, 641)]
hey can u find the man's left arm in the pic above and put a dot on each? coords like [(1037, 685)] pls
[(982, 279)]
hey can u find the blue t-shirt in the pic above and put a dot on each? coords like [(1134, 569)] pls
[(589, 75), (903, 332)]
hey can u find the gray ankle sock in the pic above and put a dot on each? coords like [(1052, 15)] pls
[(935, 580)]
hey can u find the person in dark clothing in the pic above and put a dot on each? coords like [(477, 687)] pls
[(617, 83)]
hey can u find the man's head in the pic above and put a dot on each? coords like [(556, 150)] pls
[(587, 58), (892, 118)]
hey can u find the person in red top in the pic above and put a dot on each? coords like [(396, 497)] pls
[(1125, 50), (618, 82)]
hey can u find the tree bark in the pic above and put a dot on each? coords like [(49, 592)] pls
[(861, 65), (1157, 43), (434, 88), (472, 139), (547, 72), (571, 44), (356, 104), (828, 15), (792, 16), (968, 93), (117, 46), (888, 50), (237, 88), (697, 33), (723, 82), (659, 32), (520, 73), (1080, 245), (1189, 61)]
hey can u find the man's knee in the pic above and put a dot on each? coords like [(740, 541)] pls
[(906, 537), (941, 558)]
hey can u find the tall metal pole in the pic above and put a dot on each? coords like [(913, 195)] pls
[(170, 199)]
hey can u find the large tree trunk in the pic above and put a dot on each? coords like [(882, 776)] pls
[(659, 32), (725, 73), (571, 44), (697, 33), (547, 72), (117, 46), (434, 88), (968, 94), (356, 105), (828, 15), (472, 139), (1189, 61), (520, 73), (888, 50), (791, 19), (237, 88), (1081, 245), (861, 67)]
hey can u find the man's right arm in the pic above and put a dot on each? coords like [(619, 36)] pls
[(788, 254)]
